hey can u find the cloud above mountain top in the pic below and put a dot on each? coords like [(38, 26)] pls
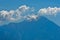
[(25, 13), (49, 11), (22, 13)]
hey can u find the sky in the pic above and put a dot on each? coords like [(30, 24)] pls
[(14, 4), (34, 10)]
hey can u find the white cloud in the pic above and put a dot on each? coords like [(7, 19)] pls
[(31, 17), (49, 11), (17, 15)]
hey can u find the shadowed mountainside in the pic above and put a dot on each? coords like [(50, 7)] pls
[(42, 29)]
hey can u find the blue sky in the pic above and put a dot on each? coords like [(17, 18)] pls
[(37, 4), (13, 4)]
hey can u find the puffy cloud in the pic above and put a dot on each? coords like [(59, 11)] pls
[(31, 17), (22, 13), (49, 11)]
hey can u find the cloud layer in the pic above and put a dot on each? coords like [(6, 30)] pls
[(25, 13)]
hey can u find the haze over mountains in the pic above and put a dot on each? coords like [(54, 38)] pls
[(42, 29)]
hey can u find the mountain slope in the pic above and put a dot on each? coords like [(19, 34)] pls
[(42, 29)]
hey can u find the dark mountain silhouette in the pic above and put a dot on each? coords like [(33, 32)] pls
[(42, 29)]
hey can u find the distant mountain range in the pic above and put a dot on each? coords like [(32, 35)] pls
[(42, 29)]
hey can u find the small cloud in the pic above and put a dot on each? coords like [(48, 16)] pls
[(31, 17), (49, 11)]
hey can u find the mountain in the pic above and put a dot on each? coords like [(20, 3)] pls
[(42, 29)]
